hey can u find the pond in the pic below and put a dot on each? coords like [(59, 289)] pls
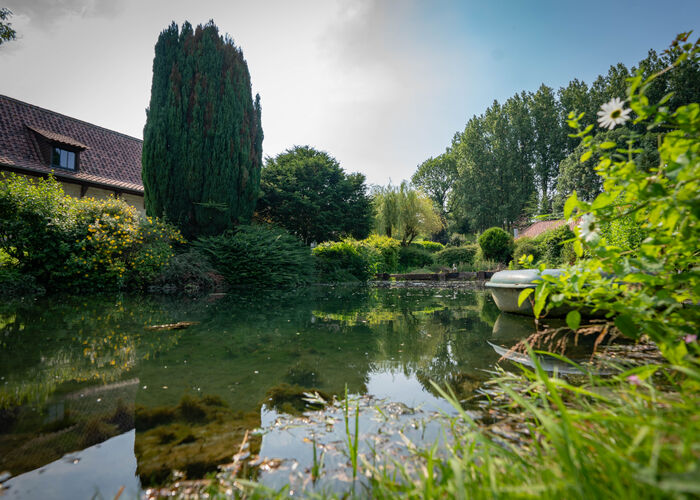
[(92, 400)]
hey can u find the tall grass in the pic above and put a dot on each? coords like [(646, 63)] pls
[(621, 437), (352, 441)]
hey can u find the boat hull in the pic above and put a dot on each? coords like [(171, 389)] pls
[(506, 298)]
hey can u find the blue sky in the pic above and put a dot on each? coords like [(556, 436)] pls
[(380, 85)]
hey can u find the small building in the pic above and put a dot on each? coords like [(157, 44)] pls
[(86, 159)]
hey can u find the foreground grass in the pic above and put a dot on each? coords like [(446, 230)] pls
[(622, 437), (635, 434)]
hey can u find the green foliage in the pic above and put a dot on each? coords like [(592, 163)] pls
[(623, 232), (202, 147), (430, 246), (404, 213), (581, 176), (620, 437), (494, 157), (7, 32), (526, 246), (357, 260), (503, 154), (646, 291), (13, 283), (306, 192), (496, 244), (190, 272), (436, 177), (259, 256), (389, 250), (412, 257), (551, 246), (458, 240), (341, 261), (456, 255), (35, 221), (79, 243)]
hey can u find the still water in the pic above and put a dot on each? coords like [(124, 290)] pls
[(92, 399)]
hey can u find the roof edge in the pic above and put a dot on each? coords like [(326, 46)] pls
[(71, 118), (69, 178)]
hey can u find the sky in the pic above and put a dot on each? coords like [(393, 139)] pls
[(380, 85)]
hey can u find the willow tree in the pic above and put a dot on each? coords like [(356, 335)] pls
[(405, 213), (202, 147)]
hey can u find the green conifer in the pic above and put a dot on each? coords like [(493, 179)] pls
[(202, 148)]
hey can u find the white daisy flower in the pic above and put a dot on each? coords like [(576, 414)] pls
[(587, 228), (613, 113)]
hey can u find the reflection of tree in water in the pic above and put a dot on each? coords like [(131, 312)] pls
[(67, 367), (245, 349), (34, 437), (74, 341), (437, 335)]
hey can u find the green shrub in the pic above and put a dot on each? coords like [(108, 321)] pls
[(353, 260), (259, 255), (430, 246), (35, 224), (496, 244), (411, 257), (551, 245), (190, 271), (389, 250), (13, 283), (79, 243), (623, 232), (456, 255), (338, 261), (459, 240), (526, 246)]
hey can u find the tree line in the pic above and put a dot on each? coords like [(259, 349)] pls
[(517, 159)]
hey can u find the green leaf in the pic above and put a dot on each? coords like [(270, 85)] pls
[(607, 145), (524, 295), (602, 200), (540, 301), (626, 325), (585, 156), (573, 320), (570, 204), (578, 248)]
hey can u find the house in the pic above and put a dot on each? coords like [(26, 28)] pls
[(540, 227), (86, 159)]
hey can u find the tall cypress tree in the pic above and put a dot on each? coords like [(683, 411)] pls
[(202, 147)]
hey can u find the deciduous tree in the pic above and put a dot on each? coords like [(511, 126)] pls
[(307, 192), (405, 213)]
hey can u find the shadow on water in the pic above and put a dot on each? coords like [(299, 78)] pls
[(76, 372)]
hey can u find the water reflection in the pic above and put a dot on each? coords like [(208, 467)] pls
[(76, 372)]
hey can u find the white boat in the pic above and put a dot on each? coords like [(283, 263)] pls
[(506, 286)]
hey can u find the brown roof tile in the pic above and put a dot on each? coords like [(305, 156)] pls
[(53, 136), (540, 227), (108, 158)]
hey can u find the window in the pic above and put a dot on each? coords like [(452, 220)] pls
[(63, 159)]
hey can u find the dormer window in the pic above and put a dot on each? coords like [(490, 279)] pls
[(58, 150), (62, 158)]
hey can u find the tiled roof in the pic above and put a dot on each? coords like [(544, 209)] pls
[(53, 136), (540, 227), (107, 158)]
